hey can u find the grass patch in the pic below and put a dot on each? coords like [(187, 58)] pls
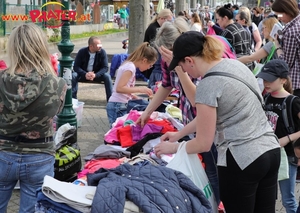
[(87, 34)]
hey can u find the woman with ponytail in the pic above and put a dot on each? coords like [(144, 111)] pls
[(231, 116)]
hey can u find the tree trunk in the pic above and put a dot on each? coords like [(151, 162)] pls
[(193, 4), (139, 20), (179, 6), (203, 3)]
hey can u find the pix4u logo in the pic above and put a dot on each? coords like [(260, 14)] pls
[(44, 16)]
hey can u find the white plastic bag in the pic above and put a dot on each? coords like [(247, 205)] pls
[(190, 165), (283, 172)]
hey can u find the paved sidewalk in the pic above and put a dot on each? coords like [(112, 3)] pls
[(95, 122)]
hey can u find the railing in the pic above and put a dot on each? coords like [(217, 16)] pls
[(12, 15)]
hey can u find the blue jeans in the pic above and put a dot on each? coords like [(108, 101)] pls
[(287, 189), (115, 110), (30, 170), (103, 78)]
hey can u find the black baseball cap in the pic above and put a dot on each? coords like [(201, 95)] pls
[(274, 69), (185, 45)]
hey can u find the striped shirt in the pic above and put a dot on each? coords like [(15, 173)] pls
[(171, 80), (291, 52)]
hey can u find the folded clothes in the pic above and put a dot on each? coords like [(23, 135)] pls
[(45, 204), (73, 195)]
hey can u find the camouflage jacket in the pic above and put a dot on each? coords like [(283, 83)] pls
[(27, 107)]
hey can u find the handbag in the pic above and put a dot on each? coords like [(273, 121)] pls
[(67, 156), (259, 66), (283, 172), (190, 165)]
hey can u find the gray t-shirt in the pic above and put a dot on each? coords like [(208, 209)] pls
[(91, 62), (268, 47), (242, 126)]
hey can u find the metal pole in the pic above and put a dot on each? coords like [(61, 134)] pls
[(68, 114), (4, 22)]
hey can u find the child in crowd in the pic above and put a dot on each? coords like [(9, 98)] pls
[(143, 58), (283, 110)]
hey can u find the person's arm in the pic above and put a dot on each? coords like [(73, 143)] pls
[(79, 63), (292, 137), (124, 89), (158, 98), (103, 66), (205, 126), (218, 29), (205, 129), (287, 139), (257, 40), (261, 53), (188, 86)]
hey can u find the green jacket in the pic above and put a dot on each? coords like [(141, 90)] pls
[(27, 107), (123, 13)]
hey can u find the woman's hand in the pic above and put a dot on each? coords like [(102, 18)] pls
[(166, 54), (135, 97), (179, 70), (165, 148), (146, 90), (169, 136), (143, 119), (210, 23)]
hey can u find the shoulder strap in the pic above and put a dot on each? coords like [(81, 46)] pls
[(266, 97), (239, 79), (290, 126), (270, 54)]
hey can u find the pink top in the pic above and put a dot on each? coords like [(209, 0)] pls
[(120, 97)]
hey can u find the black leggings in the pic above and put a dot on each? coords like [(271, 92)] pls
[(252, 190)]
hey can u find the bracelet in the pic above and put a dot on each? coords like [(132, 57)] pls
[(278, 48), (289, 138)]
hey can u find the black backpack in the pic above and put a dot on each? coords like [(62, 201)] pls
[(286, 113)]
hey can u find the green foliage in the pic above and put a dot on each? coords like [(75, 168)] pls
[(85, 34), (56, 32)]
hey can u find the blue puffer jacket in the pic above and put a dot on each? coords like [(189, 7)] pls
[(154, 189)]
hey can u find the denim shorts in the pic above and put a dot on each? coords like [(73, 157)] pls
[(30, 170), (115, 110)]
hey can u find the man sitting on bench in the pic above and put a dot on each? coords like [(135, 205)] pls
[(91, 64)]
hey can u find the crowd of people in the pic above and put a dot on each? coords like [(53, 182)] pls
[(239, 128), (240, 125)]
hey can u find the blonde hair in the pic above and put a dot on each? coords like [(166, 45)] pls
[(288, 85), (269, 23), (196, 18), (168, 32), (27, 50), (144, 50), (247, 13), (164, 13), (213, 49)]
